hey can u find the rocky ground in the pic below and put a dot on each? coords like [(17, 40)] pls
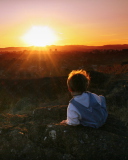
[(31, 129), (41, 136)]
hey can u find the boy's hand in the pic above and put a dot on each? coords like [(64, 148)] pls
[(64, 122)]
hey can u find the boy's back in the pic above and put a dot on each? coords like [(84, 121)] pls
[(92, 111)]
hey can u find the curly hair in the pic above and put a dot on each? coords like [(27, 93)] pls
[(78, 81)]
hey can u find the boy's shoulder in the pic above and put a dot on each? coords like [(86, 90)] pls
[(71, 106), (88, 97)]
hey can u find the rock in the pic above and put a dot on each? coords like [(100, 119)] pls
[(41, 136)]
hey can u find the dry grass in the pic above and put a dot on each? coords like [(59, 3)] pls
[(114, 69)]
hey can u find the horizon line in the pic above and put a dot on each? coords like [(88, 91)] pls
[(62, 46)]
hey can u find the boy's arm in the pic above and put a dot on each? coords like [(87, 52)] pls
[(72, 117)]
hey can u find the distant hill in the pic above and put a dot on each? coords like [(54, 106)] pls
[(15, 49), (67, 48), (85, 48)]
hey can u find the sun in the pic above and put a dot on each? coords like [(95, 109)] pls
[(40, 36)]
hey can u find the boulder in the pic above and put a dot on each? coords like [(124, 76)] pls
[(41, 136)]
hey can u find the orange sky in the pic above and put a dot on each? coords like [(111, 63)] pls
[(80, 22)]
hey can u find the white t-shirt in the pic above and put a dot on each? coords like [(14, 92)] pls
[(73, 115)]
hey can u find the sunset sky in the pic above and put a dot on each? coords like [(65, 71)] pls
[(74, 22)]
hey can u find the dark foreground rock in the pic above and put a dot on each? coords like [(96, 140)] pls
[(40, 136)]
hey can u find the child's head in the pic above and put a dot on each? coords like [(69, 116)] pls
[(78, 81)]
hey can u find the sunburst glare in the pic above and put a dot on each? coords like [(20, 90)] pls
[(40, 36)]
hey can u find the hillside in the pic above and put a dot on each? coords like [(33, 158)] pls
[(31, 128), (34, 99)]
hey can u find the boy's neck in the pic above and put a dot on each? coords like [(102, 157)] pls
[(76, 93)]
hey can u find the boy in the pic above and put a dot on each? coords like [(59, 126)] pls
[(85, 108)]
